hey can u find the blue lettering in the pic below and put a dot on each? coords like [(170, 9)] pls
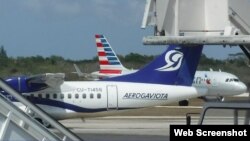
[(146, 96)]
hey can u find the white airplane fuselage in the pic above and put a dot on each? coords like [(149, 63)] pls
[(218, 83), (78, 99), (208, 83)]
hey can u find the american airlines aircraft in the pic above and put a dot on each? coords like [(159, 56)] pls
[(165, 80), (110, 65), (214, 84)]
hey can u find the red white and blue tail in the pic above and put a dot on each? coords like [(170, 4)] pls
[(108, 60)]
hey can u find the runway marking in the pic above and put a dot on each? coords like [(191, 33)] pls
[(242, 95), (142, 117), (180, 107)]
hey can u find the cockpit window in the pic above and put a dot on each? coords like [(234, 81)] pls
[(232, 80), (236, 80)]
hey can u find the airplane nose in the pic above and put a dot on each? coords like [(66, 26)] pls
[(242, 87)]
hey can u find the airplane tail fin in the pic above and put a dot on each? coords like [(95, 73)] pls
[(176, 66), (78, 71), (108, 60)]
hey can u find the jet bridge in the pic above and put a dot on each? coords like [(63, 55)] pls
[(203, 22), (208, 22), (16, 124)]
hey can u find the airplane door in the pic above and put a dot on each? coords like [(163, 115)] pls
[(112, 100)]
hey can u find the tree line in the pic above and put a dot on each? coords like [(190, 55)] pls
[(10, 66)]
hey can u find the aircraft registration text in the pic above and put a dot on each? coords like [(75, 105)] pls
[(89, 89)]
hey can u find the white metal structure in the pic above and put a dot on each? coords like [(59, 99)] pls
[(232, 113), (196, 21), (15, 125), (210, 22), (18, 125)]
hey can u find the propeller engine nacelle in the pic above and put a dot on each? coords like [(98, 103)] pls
[(22, 84)]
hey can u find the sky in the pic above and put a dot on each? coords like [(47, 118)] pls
[(67, 27)]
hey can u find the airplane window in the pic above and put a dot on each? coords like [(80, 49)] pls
[(98, 96), (76, 96), (40, 96), (69, 96), (236, 80), (31, 95), (227, 80), (62, 96), (91, 96), (47, 96), (231, 80), (84, 96), (55, 96)]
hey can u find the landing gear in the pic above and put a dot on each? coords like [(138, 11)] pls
[(44, 123), (221, 98), (183, 103), (213, 98)]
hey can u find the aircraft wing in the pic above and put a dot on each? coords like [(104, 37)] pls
[(50, 79)]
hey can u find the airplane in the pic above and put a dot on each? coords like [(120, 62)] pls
[(215, 83), (165, 80), (110, 65), (85, 75)]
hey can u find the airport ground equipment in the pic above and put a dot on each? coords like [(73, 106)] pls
[(202, 22), (194, 22), (16, 124)]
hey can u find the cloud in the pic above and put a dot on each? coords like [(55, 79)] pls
[(137, 9), (104, 8), (119, 11), (61, 7), (125, 12), (68, 8)]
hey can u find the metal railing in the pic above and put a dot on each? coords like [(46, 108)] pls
[(67, 134)]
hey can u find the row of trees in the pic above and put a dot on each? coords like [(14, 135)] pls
[(10, 66)]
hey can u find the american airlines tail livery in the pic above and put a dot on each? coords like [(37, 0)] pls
[(110, 65), (165, 80)]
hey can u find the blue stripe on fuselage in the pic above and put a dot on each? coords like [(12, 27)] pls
[(61, 104), (67, 106)]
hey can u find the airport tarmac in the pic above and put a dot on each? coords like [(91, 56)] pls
[(121, 128), (149, 124)]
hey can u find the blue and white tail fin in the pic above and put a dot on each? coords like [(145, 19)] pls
[(176, 66), (108, 60)]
